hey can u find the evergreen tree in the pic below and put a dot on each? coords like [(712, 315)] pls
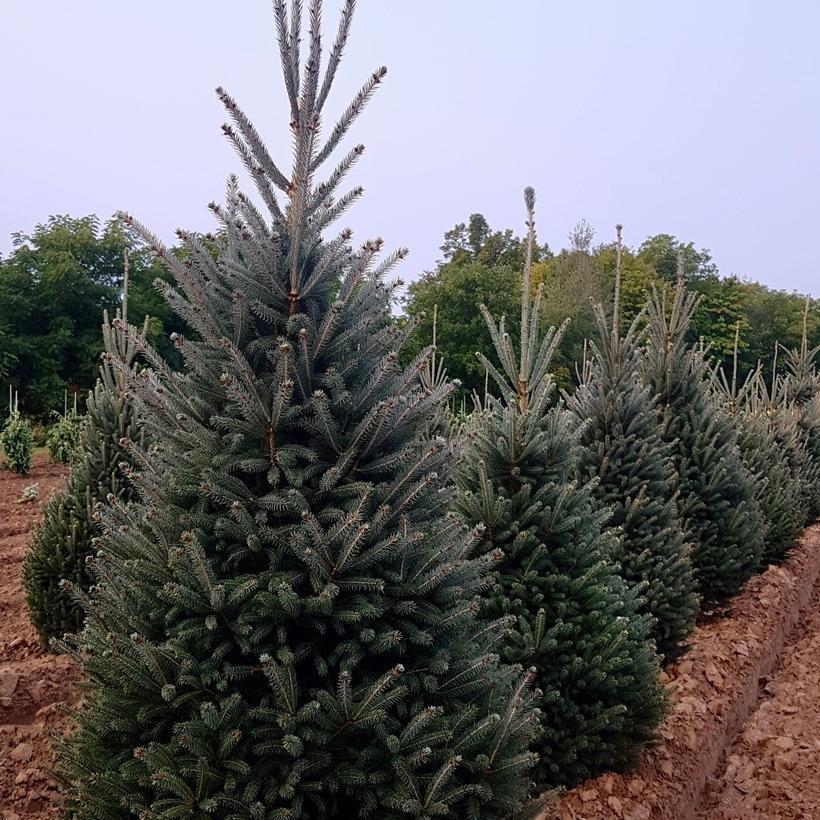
[(63, 541), (576, 620), (783, 419), (17, 442), (717, 505), (285, 623), (626, 457), (63, 438), (803, 391), (778, 489)]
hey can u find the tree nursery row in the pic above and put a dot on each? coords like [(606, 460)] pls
[(298, 586)]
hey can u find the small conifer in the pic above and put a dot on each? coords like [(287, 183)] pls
[(626, 457), (55, 569), (719, 513), (577, 622)]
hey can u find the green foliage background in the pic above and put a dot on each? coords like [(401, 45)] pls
[(54, 287), (480, 265)]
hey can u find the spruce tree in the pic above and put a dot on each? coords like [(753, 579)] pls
[(284, 624), (576, 621), (63, 540), (803, 392), (63, 439), (783, 417), (778, 489), (17, 443), (717, 505), (629, 463)]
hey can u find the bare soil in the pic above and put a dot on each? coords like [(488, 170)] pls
[(772, 771), (34, 684)]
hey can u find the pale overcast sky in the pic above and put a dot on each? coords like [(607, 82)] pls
[(697, 118)]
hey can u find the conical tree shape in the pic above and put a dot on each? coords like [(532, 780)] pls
[(576, 621), (783, 419), (803, 392), (626, 457), (778, 489), (285, 624), (809, 424), (717, 505), (55, 568)]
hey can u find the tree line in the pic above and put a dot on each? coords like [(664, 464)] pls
[(55, 285), (57, 281), (480, 265)]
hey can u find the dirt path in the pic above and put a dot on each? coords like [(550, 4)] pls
[(773, 769), (32, 682)]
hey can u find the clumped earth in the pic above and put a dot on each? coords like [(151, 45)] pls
[(34, 685), (768, 773), (771, 770)]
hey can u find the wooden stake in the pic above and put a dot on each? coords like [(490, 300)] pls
[(774, 375)]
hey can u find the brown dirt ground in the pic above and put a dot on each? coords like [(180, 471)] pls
[(33, 683), (772, 771)]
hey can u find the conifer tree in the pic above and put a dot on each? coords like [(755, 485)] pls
[(717, 505), (803, 392), (285, 622), (17, 442), (576, 620), (783, 418), (778, 489), (626, 457), (63, 540), (63, 438)]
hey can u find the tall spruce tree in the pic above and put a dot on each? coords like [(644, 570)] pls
[(783, 418), (55, 568), (577, 623), (629, 463), (803, 391), (717, 505), (285, 624), (778, 489)]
